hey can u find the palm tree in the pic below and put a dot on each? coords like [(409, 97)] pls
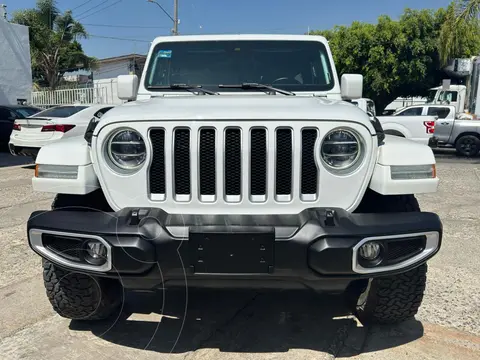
[(53, 41), (469, 10), (460, 31)]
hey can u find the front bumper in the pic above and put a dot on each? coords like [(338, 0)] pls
[(23, 151), (318, 247)]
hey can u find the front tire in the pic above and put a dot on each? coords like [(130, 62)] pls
[(79, 296), (75, 295), (468, 145), (389, 299)]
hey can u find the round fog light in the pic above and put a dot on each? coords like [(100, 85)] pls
[(370, 250), (96, 252)]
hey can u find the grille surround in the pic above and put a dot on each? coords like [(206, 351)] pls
[(133, 191)]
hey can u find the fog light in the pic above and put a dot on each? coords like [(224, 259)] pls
[(96, 252), (370, 250)]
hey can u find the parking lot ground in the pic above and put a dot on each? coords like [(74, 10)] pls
[(247, 324)]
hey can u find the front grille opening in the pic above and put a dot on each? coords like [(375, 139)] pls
[(284, 162), (67, 247), (181, 162), (399, 250), (157, 169), (309, 181), (233, 162), (258, 162), (207, 162)]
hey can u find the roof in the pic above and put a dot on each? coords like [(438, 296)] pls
[(219, 37), (122, 57)]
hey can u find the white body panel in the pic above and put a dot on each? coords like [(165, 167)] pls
[(71, 151), (235, 107), (169, 110), (131, 190), (412, 154), (31, 134), (411, 127)]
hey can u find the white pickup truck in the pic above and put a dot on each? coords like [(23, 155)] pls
[(416, 123)]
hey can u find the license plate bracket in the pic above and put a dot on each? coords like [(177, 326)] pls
[(231, 251)]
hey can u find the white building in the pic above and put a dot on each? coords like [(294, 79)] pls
[(105, 76), (15, 63)]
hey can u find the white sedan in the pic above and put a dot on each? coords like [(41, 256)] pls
[(51, 125)]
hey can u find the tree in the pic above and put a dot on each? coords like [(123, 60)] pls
[(396, 58), (53, 42), (460, 30)]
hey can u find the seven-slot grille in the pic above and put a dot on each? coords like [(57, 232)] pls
[(225, 160)]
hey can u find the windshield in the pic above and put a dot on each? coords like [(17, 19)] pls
[(61, 111), (448, 96), (288, 65), (27, 111)]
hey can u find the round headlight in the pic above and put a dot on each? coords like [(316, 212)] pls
[(341, 149), (126, 149)]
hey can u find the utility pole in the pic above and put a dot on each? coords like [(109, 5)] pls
[(175, 14), (175, 17)]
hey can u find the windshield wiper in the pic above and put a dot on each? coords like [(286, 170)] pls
[(191, 88), (256, 86)]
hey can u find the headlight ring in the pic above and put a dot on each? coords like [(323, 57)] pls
[(342, 150), (126, 150)]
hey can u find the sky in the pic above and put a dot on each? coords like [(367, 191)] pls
[(119, 27)]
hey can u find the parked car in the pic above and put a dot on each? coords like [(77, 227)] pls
[(10, 113), (461, 134), (236, 184), (51, 125), (417, 125)]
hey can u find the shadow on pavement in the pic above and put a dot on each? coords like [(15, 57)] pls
[(245, 322), (7, 159)]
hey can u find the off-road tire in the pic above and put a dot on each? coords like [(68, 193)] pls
[(79, 296), (75, 295), (473, 146), (389, 299)]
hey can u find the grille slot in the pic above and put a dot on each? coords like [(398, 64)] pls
[(182, 162), (258, 162), (283, 162), (309, 178), (399, 250), (157, 169), (203, 163), (207, 162), (67, 247), (233, 162)]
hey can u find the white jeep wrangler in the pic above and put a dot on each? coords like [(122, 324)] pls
[(237, 164)]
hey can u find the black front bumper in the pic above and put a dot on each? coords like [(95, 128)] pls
[(150, 247)]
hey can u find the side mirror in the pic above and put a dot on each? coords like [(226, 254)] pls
[(352, 86), (127, 87)]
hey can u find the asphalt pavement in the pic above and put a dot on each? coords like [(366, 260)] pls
[(219, 324)]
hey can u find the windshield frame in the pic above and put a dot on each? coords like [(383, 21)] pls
[(327, 61)]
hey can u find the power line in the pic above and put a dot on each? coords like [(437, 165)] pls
[(118, 38), (128, 26), (79, 6), (96, 6), (104, 8)]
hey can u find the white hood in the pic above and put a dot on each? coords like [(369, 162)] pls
[(233, 107)]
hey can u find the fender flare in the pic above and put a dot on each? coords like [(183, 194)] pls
[(413, 154), (73, 152)]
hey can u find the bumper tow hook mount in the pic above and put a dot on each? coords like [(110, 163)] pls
[(329, 217)]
